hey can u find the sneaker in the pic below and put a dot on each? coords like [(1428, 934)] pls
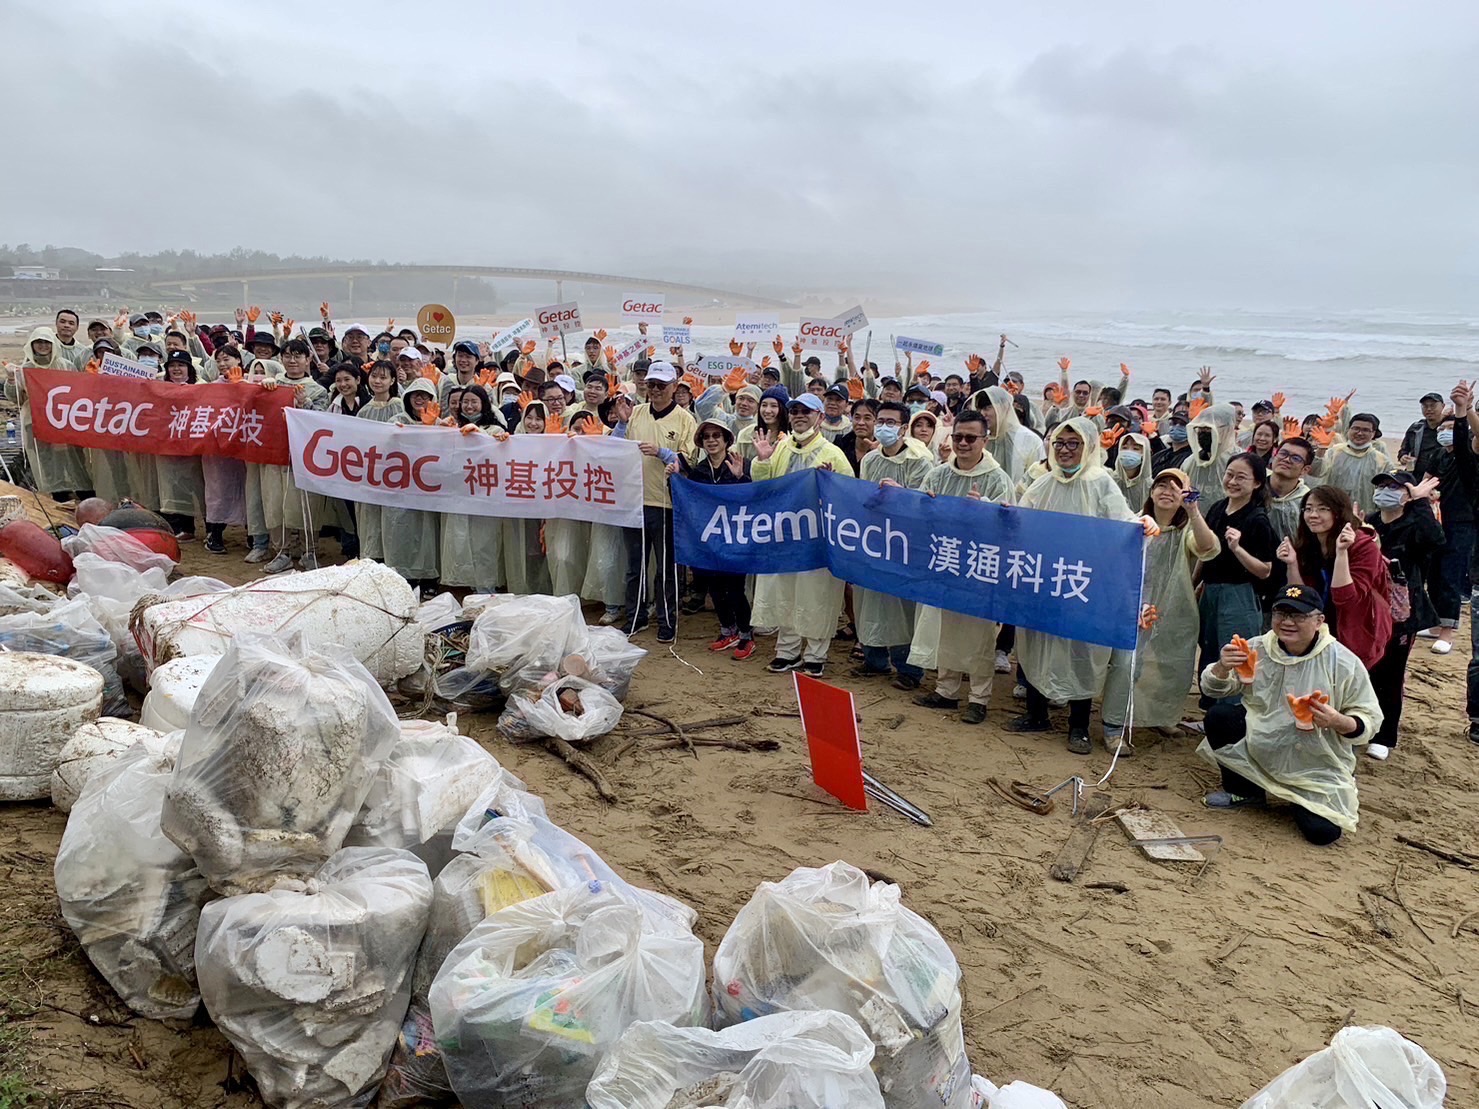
[(184, 537), (745, 649), (637, 628), (692, 606), (1221, 799), (780, 665), (1378, 751), (614, 614), (1474, 731), (1003, 663), (1025, 723), (1429, 633), (973, 714), (811, 669), (257, 554), (1078, 741), (907, 682), (308, 561), (215, 546), (278, 565), (933, 700), (725, 641), (1019, 692), (1114, 740), (666, 637)]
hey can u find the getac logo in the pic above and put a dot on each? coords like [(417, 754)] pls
[(640, 307)]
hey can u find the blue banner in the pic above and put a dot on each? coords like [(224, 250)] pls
[(1071, 576)]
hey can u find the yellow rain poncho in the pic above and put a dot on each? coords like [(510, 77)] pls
[(406, 540), (1166, 656), (968, 643), (1065, 669), (1013, 446), (1351, 468), (807, 603), (1315, 770), (471, 547), (1136, 486), (56, 468), (1207, 463), (1284, 512), (882, 619)]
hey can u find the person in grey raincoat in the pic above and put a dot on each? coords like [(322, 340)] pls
[(58, 469)]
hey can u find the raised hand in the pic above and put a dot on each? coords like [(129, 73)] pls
[(924, 368), (765, 362), (253, 313), (1150, 429), (1346, 538), (610, 353), (1277, 400), (431, 413), (526, 398), (1322, 435), (1093, 410), (241, 317), (687, 321), (554, 424), (764, 448), (1110, 437), (1249, 666), (735, 381), (323, 310), (601, 335), (1124, 370), (234, 375), (736, 464), (1064, 363), (287, 326), (796, 347), (275, 317), (1291, 428), (1425, 488), (855, 390), (1197, 407), (1058, 396), (1286, 552), (528, 348), (780, 346), (390, 324), (974, 364), (735, 346), (1012, 386), (1206, 377)]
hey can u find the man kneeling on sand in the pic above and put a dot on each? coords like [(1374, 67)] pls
[(1307, 703)]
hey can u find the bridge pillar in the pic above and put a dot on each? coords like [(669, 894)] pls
[(351, 298), (246, 295), (456, 281), (559, 292)]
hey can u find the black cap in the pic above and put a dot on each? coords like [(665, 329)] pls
[(1299, 598), (321, 334), (812, 360), (1430, 396), (1368, 418), (837, 391), (593, 375), (1401, 477), (882, 381), (465, 344), (1263, 406), (264, 337), (1180, 418), (178, 356)]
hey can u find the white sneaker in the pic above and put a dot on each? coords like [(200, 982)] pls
[(1019, 692), (257, 554), (1003, 663), (278, 565), (308, 561), (1378, 751), (1429, 633), (613, 615), (1441, 647)]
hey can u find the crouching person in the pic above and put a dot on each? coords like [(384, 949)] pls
[(1307, 704)]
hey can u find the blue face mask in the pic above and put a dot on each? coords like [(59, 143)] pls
[(1178, 433), (887, 434), (1445, 437), (1131, 459), (156, 329), (148, 360), (1071, 470), (916, 408)]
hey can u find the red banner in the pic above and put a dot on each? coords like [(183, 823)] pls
[(156, 417)]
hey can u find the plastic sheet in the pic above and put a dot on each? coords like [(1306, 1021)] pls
[(69, 630), (131, 896), (796, 1060), (281, 751), (829, 938), (1014, 1095), (572, 709), (116, 546), (523, 639), (92, 748), (1361, 1067), (526, 1006), (310, 981)]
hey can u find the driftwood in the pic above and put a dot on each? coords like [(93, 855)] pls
[(579, 762), (677, 729), (732, 744), (1447, 854)]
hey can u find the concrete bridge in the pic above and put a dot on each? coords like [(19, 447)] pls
[(559, 277)]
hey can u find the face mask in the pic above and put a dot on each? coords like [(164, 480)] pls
[(1389, 497), (1359, 447), (916, 408), (156, 329), (1445, 437), (150, 361), (1178, 433), (886, 434), (1071, 470), (1131, 459)]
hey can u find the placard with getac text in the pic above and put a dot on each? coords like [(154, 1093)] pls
[(816, 334), (642, 308), (558, 319)]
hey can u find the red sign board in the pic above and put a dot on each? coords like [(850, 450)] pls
[(831, 726)]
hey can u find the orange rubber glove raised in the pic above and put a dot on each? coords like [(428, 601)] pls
[(735, 381), (1291, 428), (254, 313), (1277, 400), (555, 425), (855, 389), (430, 413), (1110, 437), (1197, 407), (1058, 396), (526, 398), (735, 346), (1093, 410), (1249, 667), (1150, 429), (1323, 436), (1011, 386), (924, 368), (601, 335)]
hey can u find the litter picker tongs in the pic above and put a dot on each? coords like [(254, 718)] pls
[(882, 794)]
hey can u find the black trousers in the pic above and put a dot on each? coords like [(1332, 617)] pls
[(730, 603), (1037, 707), (1387, 680), (658, 533), (1228, 723)]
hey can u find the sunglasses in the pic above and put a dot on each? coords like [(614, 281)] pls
[(963, 440)]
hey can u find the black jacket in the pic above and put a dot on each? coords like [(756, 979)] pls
[(1458, 477), (704, 471), (1412, 539)]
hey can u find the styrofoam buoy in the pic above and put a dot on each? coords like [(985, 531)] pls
[(91, 747), (44, 699), (173, 688)]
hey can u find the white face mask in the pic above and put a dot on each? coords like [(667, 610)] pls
[(1445, 437), (1131, 459), (1389, 497)]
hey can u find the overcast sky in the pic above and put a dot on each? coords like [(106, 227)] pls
[(1074, 153)]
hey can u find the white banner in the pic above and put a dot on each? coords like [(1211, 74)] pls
[(558, 319), (516, 334), (438, 469), (854, 319), (114, 365), (632, 350), (642, 307), (677, 335), (919, 346), (821, 334), (720, 365), (756, 327)]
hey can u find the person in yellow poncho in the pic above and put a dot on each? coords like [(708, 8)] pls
[(59, 469), (802, 607), (1307, 703)]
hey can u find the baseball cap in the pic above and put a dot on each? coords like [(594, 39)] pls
[(103, 344), (321, 333), (661, 371), (566, 382), (1400, 477), (410, 352), (178, 357), (152, 348), (361, 328), (137, 319), (1299, 598), (837, 391), (813, 360), (806, 400), (594, 375), (465, 345), (1430, 396), (1263, 406), (1171, 473)]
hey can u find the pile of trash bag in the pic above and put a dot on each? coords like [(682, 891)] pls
[(69, 630), (830, 938), (309, 980), (282, 748), (116, 545), (130, 895), (91, 748), (1362, 1066)]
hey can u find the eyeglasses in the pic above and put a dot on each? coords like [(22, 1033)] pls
[(963, 440), (1292, 616), (1296, 456), (1067, 445), (889, 423)]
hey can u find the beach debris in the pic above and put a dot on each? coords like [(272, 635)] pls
[(92, 747), (1362, 1066), (44, 699), (1160, 838), (173, 689), (882, 794), (1081, 838)]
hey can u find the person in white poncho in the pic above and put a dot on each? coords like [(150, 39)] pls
[(1307, 703), (1055, 668)]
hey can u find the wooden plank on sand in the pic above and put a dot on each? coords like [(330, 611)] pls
[(1148, 824), (39, 508), (1075, 851)]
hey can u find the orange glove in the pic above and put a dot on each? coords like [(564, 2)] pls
[(1336, 406), (275, 317), (1149, 615), (695, 384), (924, 368), (648, 353), (1300, 706), (973, 364), (528, 348), (1124, 370), (735, 346), (469, 429), (1064, 363), (613, 383), (1250, 667), (1012, 387), (94, 366), (1093, 410), (765, 362), (592, 427), (323, 310), (855, 388), (1322, 435), (253, 313), (1291, 428), (287, 326), (1058, 396), (601, 335), (1150, 429), (120, 321), (1277, 400), (1328, 421), (1110, 437), (234, 375), (555, 425), (841, 346), (780, 346), (736, 379), (526, 398), (487, 379), (1197, 407), (687, 320), (431, 413), (188, 317)]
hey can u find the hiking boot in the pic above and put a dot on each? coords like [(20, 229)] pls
[(973, 714), (278, 565), (745, 649), (933, 700), (1078, 741), (1222, 799), (811, 669), (257, 554), (1027, 723), (780, 665)]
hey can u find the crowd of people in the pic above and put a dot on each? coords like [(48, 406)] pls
[(1292, 564)]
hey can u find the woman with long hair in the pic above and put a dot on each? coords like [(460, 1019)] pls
[(770, 417)]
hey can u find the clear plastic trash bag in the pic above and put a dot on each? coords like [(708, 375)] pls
[(829, 938), (93, 747), (797, 1060), (613, 660), (571, 709), (116, 545), (1361, 1067), (283, 745), (528, 1004), (524, 639), (70, 630), (310, 981), (131, 896)]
